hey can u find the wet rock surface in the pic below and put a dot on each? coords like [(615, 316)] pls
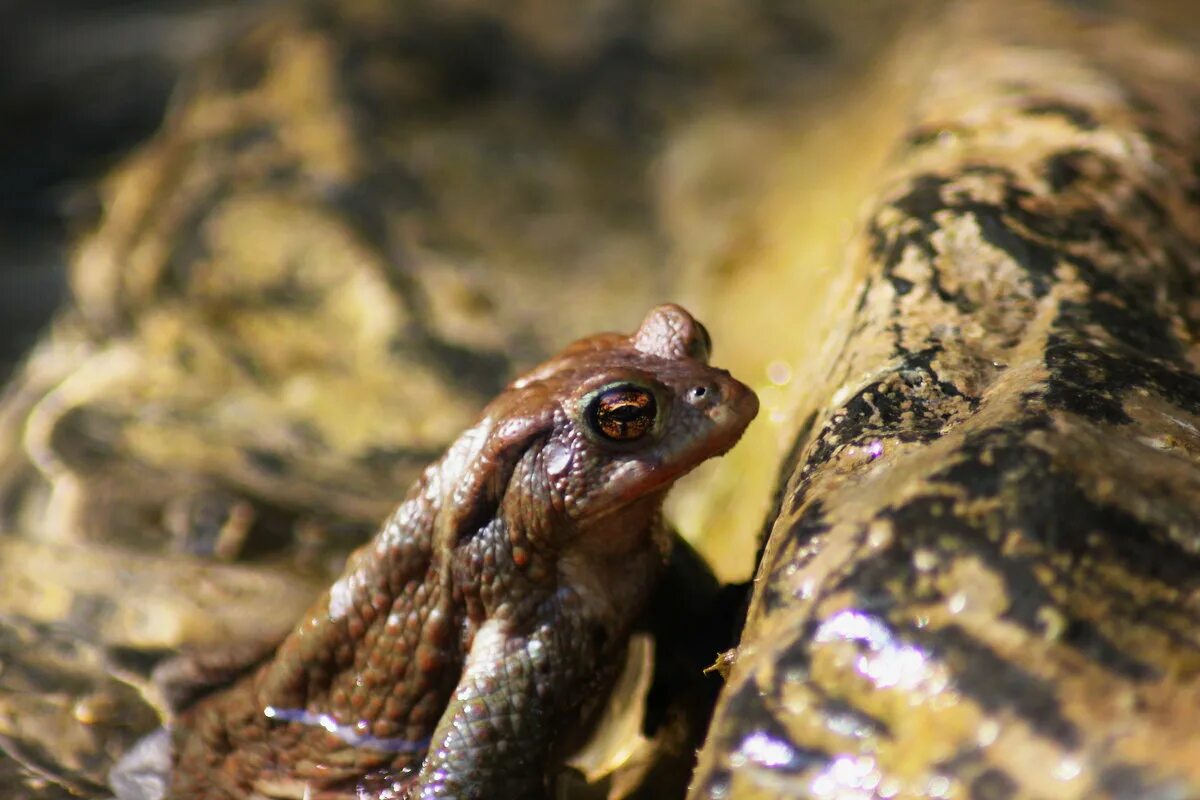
[(981, 577)]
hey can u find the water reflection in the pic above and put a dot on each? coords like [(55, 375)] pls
[(350, 734), (889, 663), (765, 750), (848, 778)]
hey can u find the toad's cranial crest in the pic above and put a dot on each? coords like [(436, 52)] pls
[(483, 625)]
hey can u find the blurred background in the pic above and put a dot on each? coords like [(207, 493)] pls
[(81, 82)]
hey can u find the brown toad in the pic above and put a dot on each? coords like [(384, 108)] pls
[(466, 647)]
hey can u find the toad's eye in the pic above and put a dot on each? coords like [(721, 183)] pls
[(622, 413)]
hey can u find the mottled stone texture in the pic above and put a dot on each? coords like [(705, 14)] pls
[(982, 579)]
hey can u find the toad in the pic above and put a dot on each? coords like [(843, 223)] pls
[(466, 648)]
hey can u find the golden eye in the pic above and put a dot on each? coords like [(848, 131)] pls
[(623, 413)]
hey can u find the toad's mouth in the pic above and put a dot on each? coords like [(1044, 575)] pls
[(642, 478)]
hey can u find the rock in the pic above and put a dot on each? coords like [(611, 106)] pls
[(981, 575)]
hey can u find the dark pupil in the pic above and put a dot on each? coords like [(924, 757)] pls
[(624, 414)]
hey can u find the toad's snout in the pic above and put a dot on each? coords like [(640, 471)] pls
[(726, 401)]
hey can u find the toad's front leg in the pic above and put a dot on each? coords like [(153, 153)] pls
[(519, 691)]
